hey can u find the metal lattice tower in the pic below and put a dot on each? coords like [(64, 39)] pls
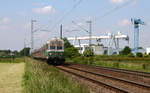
[(136, 23)]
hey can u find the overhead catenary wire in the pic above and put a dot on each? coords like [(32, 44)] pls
[(65, 15), (114, 10), (98, 18), (109, 12)]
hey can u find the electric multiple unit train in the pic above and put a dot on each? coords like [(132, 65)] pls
[(53, 51)]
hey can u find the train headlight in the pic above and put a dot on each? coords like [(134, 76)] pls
[(50, 54)]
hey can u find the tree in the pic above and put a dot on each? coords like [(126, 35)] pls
[(25, 52), (105, 52), (126, 51), (88, 53), (70, 50), (67, 43), (16, 53), (139, 54)]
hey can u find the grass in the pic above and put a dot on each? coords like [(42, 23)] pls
[(11, 77), (122, 62), (39, 77)]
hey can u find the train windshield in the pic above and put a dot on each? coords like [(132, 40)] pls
[(52, 47), (57, 45)]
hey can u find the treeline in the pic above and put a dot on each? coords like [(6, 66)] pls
[(15, 53)]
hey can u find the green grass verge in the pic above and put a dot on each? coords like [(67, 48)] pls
[(39, 77), (115, 62)]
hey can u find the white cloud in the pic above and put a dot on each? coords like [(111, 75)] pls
[(123, 1), (124, 22), (44, 10), (4, 20), (4, 23), (118, 1)]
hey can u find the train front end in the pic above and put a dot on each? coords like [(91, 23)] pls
[(56, 51)]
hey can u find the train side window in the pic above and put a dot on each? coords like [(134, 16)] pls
[(46, 46)]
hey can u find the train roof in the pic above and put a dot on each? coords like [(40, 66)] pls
[(54, 39)]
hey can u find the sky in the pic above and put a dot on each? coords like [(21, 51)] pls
[(106, 16)]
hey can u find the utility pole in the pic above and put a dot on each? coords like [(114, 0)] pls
[(61, 31), (32, 37), (24, 46), (24, 49), (90, 33)]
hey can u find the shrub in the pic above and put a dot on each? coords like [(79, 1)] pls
[(126, 51), (145, 55), (139, 54), (131, 55), (71, 52), (88, 53)]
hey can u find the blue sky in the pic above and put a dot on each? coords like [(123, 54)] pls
[(16, 15)]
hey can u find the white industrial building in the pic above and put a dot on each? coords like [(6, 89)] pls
[(97, 49), (147, 50), (82, 47), (112, 40)]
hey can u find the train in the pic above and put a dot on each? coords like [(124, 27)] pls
[(53, 51)]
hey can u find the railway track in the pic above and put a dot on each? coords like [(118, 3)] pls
[(108, 82), (137, 73), (136, 76), (99, 83)]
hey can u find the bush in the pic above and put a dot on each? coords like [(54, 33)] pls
[(139, 54), (131, 55), (127, 50), (71, 52), (88, 53), (145, 55)]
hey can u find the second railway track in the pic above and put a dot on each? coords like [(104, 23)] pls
[(115, 84), (136, 76)]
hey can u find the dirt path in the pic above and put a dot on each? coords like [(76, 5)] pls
[(11, 77)]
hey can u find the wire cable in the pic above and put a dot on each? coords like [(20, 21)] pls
[(65, 15), (114, 10)]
